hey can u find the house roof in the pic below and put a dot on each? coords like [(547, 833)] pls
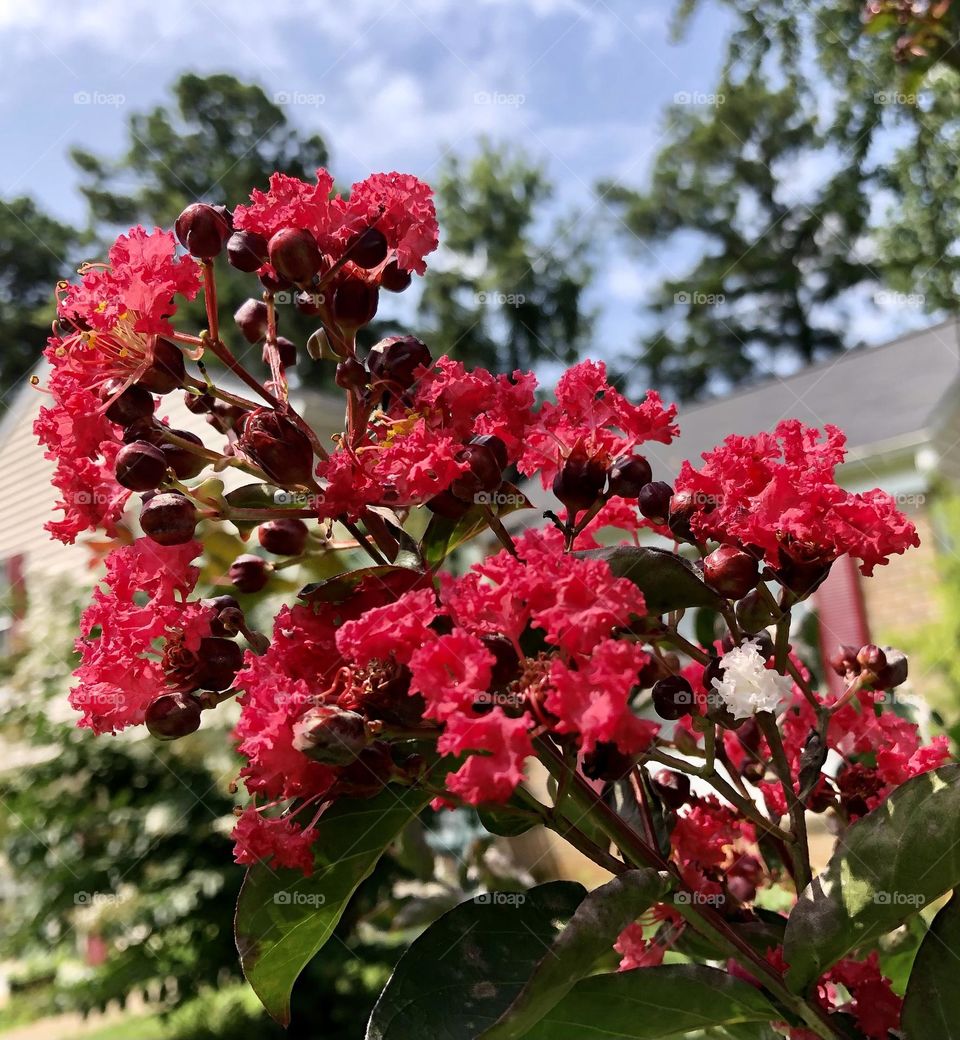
[(879, 396)]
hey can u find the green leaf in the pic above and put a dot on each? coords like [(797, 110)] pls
[(284, 918), (442, 536), (667, 581), (652, 1004), (508, 821), (341, 587), (592, 931), (931, 1007), (891, 863), (463, 972)]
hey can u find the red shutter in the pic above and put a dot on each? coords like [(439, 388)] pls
[(843, 617)]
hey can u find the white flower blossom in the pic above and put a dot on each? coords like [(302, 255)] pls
[(748, 686)]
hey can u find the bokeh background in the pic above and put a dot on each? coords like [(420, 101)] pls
[(751, 206)]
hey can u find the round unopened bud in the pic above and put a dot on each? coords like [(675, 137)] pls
[(218, 661), (140, 466), (368, 249), (167, 370), (130, 405), (330, 735), (278, 446), (286, 351), (252, 319), (753, 614), (872, 659), (654, 501), (607, 762), (802, 577), (202, 231), (894, 673), (351, 375), (184, 463), (198, 404), (247, 251), (285, 537), (395, 360), (394, 278), (844, 661), (173, 715), (731, 571), (447, 506), (683, 506), (673, 698), (169, 518), (355, 303), (249, 573), (506, 667), (228, 619), (579, 482), (294, 254), (486, 456), (673, 789), (628, 475)]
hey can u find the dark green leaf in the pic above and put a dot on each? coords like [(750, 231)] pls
[(592, 931), (931, 1007), (894, 861), (284, 918), (457, 978), (667, 581), (652, 1004), (442, 536), (508, 821), (341, 587)]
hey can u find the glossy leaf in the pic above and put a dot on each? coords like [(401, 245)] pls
[(457, 978), (341, 587), (284, 918), (591, 933), (653, 1004), (890, 864), (442, 536), (931, 1007), (667, 581)]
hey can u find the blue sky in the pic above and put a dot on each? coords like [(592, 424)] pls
[(392, 84)]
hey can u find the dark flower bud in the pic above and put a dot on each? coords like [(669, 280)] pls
[(218, 661), (673, 698), (249, 573), (655, 669), (802, 577), (683, 506), (486, 457), (167, 370), (251, 319), (395, 360), (447, 506), (355, 303), (228, 619), (183, 462), (173, 715), (129, 406), (278, 446), (202, 231), (311, 304), (368, 249), (654, 501), (169, 518), (579, 482), (673, 789), (144, 430), (607, 762), (894, 673), (274, 282), (872, 659), (731, 571), (294, 254), (287, 351), (286, 537), (225, 417), (140, 466), (394, 278), (506, 666), (628, 476), (844, 661), (753, 614), (247, 251), (199, 404), (351, 375), (331, 735)]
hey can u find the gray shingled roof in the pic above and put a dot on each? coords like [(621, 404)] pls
[(875, 394)]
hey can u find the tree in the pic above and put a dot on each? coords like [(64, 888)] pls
[(502, 294), (773, 255), (35, 252)]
